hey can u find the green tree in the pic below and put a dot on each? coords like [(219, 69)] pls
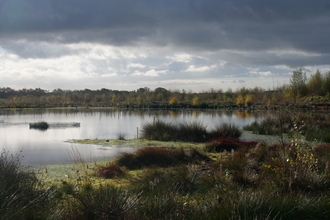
[(326, 83), (314, 84), (249, 99), (298, 87)]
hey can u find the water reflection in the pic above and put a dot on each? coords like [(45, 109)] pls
[(49, 146)]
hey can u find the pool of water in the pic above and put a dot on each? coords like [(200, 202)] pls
[(50, 146)]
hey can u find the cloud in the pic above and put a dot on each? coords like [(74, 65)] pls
[(87, 41), (192, 68)]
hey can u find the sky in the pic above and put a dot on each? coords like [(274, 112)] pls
[(193, 45)]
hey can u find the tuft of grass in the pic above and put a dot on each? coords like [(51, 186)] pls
[(102, 202), (22, 195), (225, 130), (121, 136), (42, 125)]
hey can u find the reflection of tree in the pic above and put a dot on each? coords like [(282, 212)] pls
[(229, 114), (196, 113), (240, 114), (248, 114), (174, 114)]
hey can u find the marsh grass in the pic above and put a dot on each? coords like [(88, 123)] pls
[(42, 125), (187, 131), (225, 130), (22, 194), (121, 136)]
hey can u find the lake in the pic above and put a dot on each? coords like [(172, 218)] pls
[(45, 147)]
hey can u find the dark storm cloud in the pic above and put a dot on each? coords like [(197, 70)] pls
[(190, 25)]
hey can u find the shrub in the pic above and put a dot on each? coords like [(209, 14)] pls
[(110, 171)]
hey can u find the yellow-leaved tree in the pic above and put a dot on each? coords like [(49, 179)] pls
[(239, 100), (174, 100), (248, 99), (195, 101)]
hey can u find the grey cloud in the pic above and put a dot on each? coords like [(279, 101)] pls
[(185, 25)]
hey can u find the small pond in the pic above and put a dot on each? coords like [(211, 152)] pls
[(51, 146)]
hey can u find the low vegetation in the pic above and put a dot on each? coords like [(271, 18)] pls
[(314, 127), (42, 125), (188, 132), (227, 178)]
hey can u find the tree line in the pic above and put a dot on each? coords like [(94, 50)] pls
[(301, 89)]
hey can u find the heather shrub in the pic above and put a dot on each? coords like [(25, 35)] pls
[(109, 171)]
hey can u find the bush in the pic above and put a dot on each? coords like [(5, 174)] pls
[(110, 171)]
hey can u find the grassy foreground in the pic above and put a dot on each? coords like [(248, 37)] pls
[(223, 179)]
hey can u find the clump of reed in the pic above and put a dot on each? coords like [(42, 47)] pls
[(189, 132), (121, 136), (101, 202), (225, 130), (22, 194), (42, 125)]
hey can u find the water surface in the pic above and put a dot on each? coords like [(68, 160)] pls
[(43, 147)]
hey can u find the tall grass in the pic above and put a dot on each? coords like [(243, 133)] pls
[(22, 195), (225, 130), (188, 132)]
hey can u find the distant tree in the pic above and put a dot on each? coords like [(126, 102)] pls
[(240, 100), (314, 84), (298, 85), (174, 100), (326, 84), (248, 99), (195, 101)]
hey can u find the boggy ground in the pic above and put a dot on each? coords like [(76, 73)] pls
[(254, 181)]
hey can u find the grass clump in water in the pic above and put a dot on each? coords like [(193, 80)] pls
[(42, 125)]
